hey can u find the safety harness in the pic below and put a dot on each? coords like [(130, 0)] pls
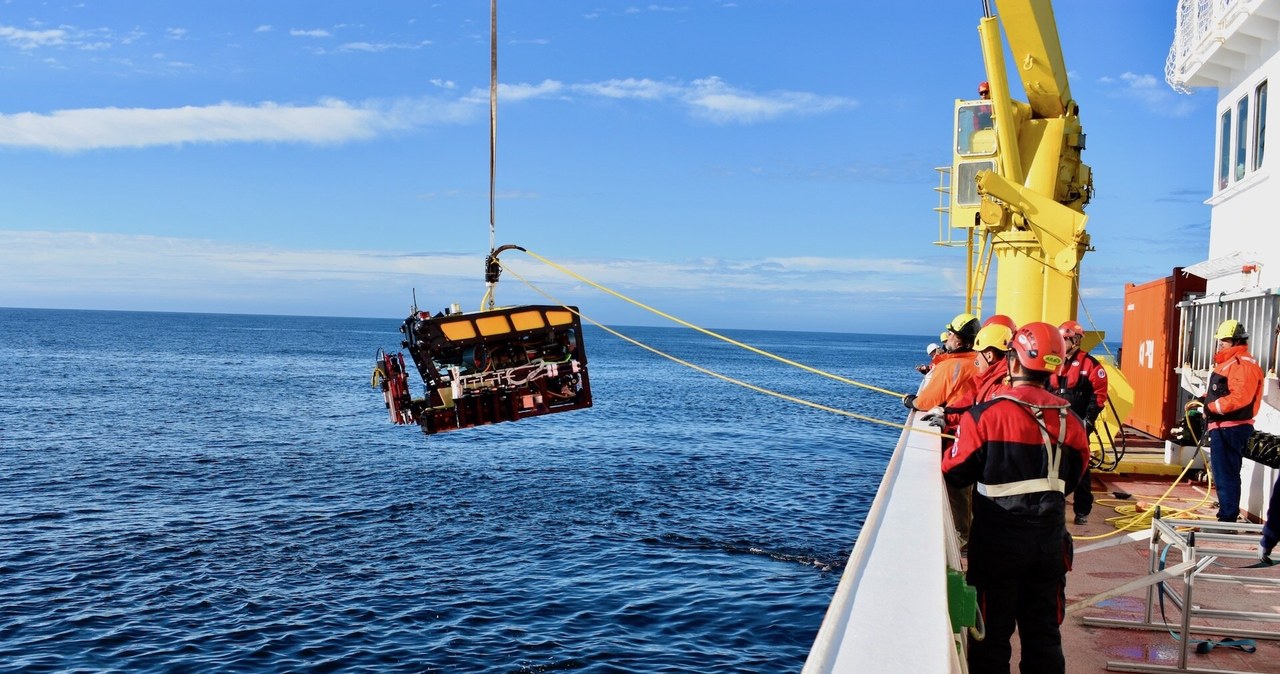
[(1051, 482)]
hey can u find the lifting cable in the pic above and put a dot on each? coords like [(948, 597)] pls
[(709, 333), (717, 375)]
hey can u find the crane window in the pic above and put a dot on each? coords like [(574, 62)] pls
[(975, 129), (1242, 134), (1224, 150), (1259, 124), (966, 186)]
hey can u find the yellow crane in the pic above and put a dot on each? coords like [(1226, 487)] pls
[(1018, 185)]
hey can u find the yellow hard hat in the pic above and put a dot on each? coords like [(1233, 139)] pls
[(964, 325), (1230, 329), (994, 336)]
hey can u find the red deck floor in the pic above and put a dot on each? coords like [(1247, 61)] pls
[(1090, 648)]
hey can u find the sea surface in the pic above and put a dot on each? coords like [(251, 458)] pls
[(225, 493)]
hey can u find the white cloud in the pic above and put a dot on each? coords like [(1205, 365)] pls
[(517, 92), (330, 121), (175, 33), (315, 32), (1150, 92), (715, 100), (644, 89), (336, 121), (31, 39), (380, 46), (264, 28)]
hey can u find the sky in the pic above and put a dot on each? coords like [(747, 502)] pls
[(764, 164)]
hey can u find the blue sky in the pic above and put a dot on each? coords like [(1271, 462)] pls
[(750, 164)]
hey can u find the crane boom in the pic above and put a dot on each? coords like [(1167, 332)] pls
[(1021, 186), (1037, 53)]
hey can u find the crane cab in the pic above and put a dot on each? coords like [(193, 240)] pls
[(975, 151)]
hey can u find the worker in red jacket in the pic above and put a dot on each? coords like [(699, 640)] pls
[(1024, 450), (1230, 404), (1082, 382)]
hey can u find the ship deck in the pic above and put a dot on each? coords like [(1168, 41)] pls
[(1107, 559)]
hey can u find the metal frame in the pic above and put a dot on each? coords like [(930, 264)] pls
[(1196, 544)]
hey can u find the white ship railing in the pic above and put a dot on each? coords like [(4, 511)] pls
[(1259, 312), (890, 610), (1199, 22)]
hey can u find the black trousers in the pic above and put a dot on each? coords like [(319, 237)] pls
[(1020, 575), (1082, 502)]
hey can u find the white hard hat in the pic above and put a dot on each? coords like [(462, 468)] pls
[(931, 348)]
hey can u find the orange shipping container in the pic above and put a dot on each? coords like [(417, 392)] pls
[(1149, 345)]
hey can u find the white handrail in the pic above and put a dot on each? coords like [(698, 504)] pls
[(1198, 21), (890, 611)]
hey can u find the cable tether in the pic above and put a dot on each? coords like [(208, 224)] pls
[(717, 375), (704, 331)]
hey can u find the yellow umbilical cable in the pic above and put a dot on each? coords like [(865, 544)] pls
[(1131, 519), (723, 377), (691, 326)]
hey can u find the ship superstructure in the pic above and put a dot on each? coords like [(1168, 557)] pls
[(1231, 47)]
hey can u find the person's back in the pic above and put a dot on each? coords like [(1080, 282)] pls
[(1024, 449), (1015, 454)]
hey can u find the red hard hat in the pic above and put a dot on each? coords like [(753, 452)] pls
[(1071, 329), (1000, 319), (1039, 346), (983, 87)]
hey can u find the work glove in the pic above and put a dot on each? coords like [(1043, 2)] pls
[(909, 401), (936, 417)]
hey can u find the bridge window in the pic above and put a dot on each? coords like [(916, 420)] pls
[(1259, 124), (1242, 134), (1224, 150)]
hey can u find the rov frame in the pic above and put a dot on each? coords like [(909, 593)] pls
[(487, 367)]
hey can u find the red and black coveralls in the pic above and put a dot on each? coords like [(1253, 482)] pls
[(1024, 450), (1082, 382)]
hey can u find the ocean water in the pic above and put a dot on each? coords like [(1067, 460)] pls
[(223, 493)]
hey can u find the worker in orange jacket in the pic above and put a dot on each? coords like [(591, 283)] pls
[(1230, 404), (950, 381), (952, 373)]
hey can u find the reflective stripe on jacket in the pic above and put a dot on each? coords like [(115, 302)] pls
[(1022, 464)]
